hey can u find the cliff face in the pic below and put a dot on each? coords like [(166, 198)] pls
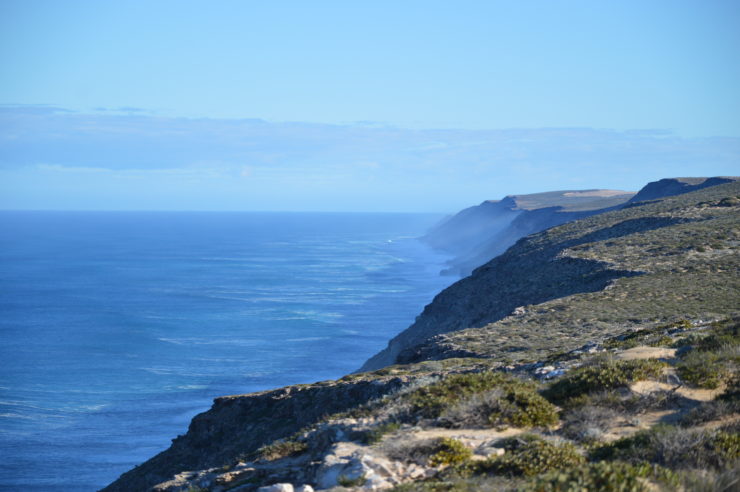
[(551, 294), (542, 268), (479, 233), (238, 425)]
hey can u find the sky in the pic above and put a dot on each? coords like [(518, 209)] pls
[(358, 106)]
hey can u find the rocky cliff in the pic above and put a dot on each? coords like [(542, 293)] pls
[(236, 426), (479, 233), (656, 272), (542, 268)]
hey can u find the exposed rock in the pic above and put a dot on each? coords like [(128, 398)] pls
[(349, 463), (278, 487), (238, 425)]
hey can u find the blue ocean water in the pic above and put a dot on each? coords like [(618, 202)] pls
[(116, 328)]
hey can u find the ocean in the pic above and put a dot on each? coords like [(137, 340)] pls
[(116, 328)]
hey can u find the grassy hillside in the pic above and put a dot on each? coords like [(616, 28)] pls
[(555, 290)]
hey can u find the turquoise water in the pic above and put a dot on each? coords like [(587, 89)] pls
[(117, 328)]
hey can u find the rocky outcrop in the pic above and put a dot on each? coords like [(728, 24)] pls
[(239, 425)]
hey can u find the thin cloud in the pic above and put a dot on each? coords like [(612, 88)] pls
[(325, 164)]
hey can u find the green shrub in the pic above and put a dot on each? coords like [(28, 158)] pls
[(450, 452), (703, 369), (603, 477), (725, 445), (732, 392), (430, 401), (713, 358), (654, 337), (722, 334), (710, 481), (602, 374), (483, 399), (674, 447), (438, 486), (345, 481), (708, 411), (525, 408), (375, 434), (281, 449), (528, 456)]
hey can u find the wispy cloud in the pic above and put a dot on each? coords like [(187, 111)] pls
[(433, 169)]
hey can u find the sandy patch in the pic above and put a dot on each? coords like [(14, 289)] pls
[(697, 394), (645, 352)]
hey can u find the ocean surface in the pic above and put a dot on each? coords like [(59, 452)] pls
[(116, 328)]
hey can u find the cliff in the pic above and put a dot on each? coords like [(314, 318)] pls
[(543, 268), (646, 280), (479, 233), (236, 426)]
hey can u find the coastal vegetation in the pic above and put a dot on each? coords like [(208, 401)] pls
[(621, 372)]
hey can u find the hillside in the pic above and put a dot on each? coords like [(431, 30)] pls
[(551, 365), (477, 234), (660, 252)]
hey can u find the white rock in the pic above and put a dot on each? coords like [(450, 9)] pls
[(304, 488), (277, 487)]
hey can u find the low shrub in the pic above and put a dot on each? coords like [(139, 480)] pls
[(604, 477), (450, 452), (431, 400), (674, 447), (417, 452), (528, 456), (708, 411), (732, 392), (348, 482), (711, 481), (703, 369), (722, 334), (587, 423), (713, 358), (654, 337), (376, 434), (483, 399), (281, 449), (602, 374)]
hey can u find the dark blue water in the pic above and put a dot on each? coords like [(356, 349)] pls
[(117, 328)]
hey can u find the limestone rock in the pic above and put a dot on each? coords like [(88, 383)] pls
[(278, 487)]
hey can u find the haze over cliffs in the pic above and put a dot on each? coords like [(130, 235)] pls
[(479, 233), (660, 271), (527, 276)]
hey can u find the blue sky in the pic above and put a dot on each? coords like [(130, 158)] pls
[(366, 105)]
